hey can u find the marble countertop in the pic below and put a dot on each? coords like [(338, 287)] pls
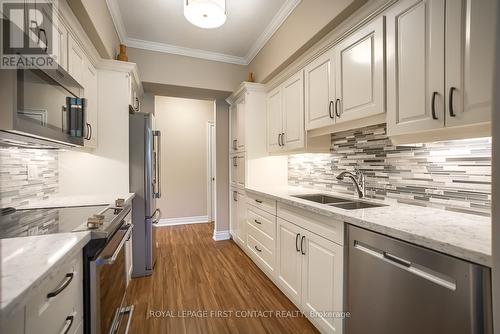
[(461, 235), (28, 261), (77, 200)]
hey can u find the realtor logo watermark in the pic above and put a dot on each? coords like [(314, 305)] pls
[(27, 34)]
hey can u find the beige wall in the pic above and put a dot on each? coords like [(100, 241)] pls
[(222, 166), (311, 20), (175, 70), (95, 18), (183, 124)]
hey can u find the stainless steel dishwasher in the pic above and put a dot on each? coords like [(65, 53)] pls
[(395, 287)]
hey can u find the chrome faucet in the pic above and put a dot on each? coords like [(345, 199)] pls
[(358, 178)]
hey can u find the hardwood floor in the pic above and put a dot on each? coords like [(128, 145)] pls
[(194, 273)]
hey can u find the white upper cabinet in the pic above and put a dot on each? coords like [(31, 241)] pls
[(319, 92), (439, 65), (274, 120), (359, 73), (293, 112), (76, 59), (415, 66), (470, 48), (90, 93)]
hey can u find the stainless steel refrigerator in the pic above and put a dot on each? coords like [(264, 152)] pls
[(145, 182)]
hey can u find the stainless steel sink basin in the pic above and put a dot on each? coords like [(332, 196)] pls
[(322, 199), (338, 202), (356, 205)]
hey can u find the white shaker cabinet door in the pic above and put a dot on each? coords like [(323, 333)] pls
[(322, 277), (274, 120), (470, 48), (319, 92), (415, 66), (76, 60), (90, 92), (289, 260), (241, 232), (293, 112), (233, 115), (359, 62)]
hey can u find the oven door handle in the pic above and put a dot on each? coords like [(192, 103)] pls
[(113, 258)]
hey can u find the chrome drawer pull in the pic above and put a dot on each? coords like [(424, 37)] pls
[(257, 249), (257, 222), (67, 324), (258, 201), (68, 278)]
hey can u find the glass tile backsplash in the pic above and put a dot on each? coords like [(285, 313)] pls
[(451, 175)]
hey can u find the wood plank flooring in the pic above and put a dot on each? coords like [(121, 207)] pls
[(195, 273)]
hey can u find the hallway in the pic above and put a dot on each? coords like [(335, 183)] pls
[(195, 277)]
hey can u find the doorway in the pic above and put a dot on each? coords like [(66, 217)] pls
[(211, 195)]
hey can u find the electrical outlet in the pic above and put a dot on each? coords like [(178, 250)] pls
[(32, 172)]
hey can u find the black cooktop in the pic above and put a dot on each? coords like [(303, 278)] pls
[(28, 222)]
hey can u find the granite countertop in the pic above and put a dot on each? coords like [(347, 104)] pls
[(465, 236), (28, 261), (78, 200)]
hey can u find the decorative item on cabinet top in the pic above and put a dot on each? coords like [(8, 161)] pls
[(122, 56)]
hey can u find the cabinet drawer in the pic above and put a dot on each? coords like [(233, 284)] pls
[(261, 237), (49, 315), (327, 227), (263, 254), (262, 220), (263, 203)]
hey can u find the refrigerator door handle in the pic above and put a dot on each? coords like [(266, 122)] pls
[(157, 134)]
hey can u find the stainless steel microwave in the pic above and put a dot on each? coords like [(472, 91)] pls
[(44, 104)]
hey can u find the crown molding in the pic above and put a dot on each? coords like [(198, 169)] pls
[(271, 28), (280, 17), (182, 51)]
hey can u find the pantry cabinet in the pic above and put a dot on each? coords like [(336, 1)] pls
[(238, 170), (237, 129), (440, 60), (359, 74)]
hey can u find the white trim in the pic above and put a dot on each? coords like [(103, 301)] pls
[(183, 51), (221, 235), (182, 221), (280, 17), (276, 22), (116, 16)]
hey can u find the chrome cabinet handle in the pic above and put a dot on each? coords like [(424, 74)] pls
[(67, 324), (258, 201), (450, 101), (67, 280), (257, 222), (296, 242), (257, 249), (433, 105), (279, 139), (337, 111), (235, 196), (330, 111), (235, 145), (282, 139), (302, 251)]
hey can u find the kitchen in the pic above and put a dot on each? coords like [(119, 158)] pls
[(217, 166)]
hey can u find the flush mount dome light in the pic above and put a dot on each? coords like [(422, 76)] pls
[(207, 14)]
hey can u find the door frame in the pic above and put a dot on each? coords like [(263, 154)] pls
[(211, 164)]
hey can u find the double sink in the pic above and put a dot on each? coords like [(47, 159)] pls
[(338, 202)]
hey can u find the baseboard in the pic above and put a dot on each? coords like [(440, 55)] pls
[(221, 235), (182, 221)]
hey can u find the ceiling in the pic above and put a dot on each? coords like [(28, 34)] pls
[(159, 25)]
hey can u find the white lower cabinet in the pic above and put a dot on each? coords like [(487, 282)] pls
[(57, 307), (300, 251), (237, 224)]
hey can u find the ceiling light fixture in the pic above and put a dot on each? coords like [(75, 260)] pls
[(207, 14)]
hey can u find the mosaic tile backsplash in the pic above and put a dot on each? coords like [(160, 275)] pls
[(16, 189), (450, 175)]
